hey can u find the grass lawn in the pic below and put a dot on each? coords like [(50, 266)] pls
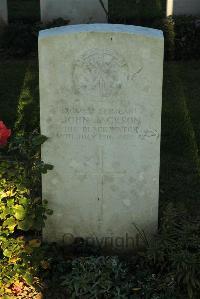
[(180, 163), (19, 94), (180, 167)]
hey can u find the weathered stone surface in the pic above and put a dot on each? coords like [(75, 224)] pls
[(183, 7), (77, 11), (3, 12), (100, 95)]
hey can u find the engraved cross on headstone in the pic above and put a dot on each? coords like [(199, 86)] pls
[(101, 173)]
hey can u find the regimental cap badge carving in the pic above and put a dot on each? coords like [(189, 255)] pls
[(100, 73)]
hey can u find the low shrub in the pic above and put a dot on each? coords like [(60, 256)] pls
[(176, 251), (21, 39), (112, 277), (168, 266), (21, 209), (18, 40), (182, 33), (121, 11), (182, 37), (23, 10)]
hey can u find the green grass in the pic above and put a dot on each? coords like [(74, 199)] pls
[(180, 163), (180, 167), (19, 94), (11, 83)]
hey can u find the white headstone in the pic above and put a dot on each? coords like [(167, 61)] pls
[(76, 11), (183, 7), (100, 97), (3, 12)]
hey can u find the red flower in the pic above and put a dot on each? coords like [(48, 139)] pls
[(4, 134)]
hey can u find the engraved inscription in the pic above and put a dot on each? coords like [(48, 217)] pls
[(100, 73), (103, 124)]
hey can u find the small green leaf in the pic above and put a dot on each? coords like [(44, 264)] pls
[(38, 140), (46, 167), (25, 225), (2, 239), (28, 278), (10, 223), (24, 201), (10, 202), (49, 212), (20, 212), (7, 253)]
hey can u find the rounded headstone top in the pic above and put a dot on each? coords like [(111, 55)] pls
[(115, 28)]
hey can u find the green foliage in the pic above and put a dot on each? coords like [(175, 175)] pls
[(21, 209), (111, 277), (176, 250), (182, 33), (129, 10), (169, 34), (187, 38), (12, 85), (182, 37), (94, 277), (20, 39), (167, 268), (26, 10), (179, 178), (162, 271)]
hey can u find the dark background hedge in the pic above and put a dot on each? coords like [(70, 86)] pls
[(182, 34)]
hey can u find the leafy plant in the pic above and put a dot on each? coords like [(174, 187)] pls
[(97, 277), (112, 277), (176, 250), (20, 39), (129, 11), (21, 210)]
